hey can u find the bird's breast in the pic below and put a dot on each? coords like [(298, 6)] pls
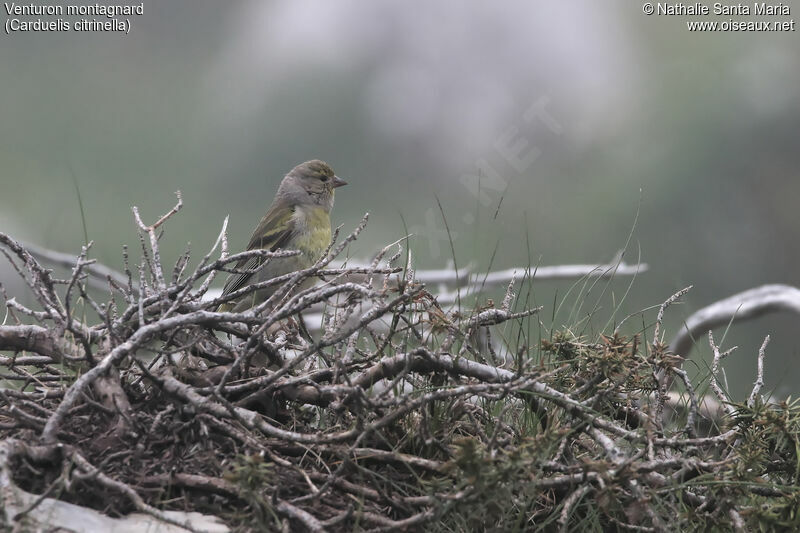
[(313, 230)]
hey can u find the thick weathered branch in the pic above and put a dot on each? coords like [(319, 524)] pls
[(39, 340), (742, 306)]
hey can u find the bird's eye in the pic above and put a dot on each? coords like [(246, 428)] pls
[(324, 178)]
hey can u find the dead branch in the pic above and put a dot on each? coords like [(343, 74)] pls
[(397, 411), (745, 305)]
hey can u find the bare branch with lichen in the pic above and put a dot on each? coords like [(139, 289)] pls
[(398, 412)]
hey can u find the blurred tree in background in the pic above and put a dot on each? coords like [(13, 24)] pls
[(548, 131)]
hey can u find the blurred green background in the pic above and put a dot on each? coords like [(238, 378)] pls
[(611, 112)]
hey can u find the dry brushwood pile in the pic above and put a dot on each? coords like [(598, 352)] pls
[(399, 413)]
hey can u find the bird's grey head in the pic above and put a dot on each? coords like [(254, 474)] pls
[(309, 183)]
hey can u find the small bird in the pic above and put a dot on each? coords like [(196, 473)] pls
[(298, 219)]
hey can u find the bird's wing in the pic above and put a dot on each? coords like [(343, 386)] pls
[(272, 233)]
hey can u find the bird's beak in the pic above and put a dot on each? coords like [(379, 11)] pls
[(338, 182)]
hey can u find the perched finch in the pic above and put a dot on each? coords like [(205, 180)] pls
[(298, 219)]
